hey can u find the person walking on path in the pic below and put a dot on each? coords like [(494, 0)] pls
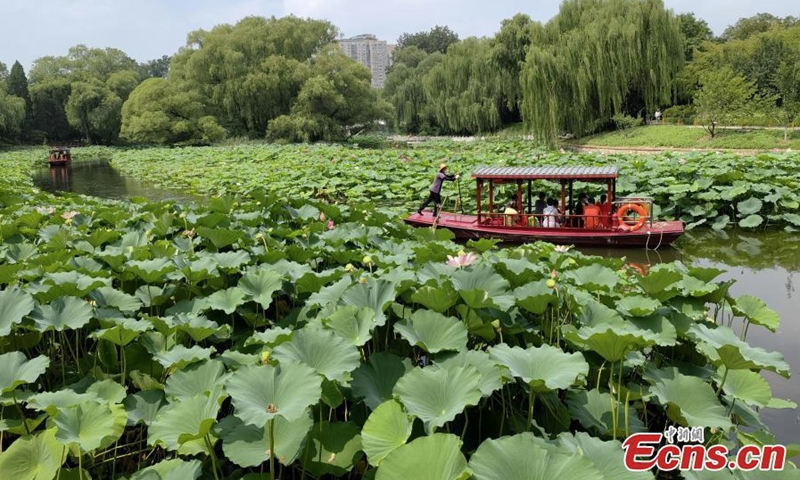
[(436, 187)]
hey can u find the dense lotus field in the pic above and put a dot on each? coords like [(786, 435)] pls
[(710, 189), (277, 336)]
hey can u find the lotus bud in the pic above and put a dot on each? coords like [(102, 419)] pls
[(550, 283), (572, 261), (259, 236), (362, 280), (367, 259), (265, 356), (321, 216), (349, 267), (496, 324)]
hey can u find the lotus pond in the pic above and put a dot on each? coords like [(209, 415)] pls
[(270, 335)]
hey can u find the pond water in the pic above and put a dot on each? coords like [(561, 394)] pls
[(100, 179), (763, 265)]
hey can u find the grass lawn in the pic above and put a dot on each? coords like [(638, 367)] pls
[(693, 137)]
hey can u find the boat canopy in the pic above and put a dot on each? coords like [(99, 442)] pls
[(546, 173)]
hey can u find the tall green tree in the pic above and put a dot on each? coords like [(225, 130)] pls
[(156, 68), (746, 27), (695, 32), (464, 90), (236, 67), (337, 95), (724, 97), (95, 111), (597, 58), (404, 90), (160, 112), (509, 48), (12, 113), (18, 86), (437, 39)]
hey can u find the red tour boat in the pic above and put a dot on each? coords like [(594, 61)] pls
[(59, 156), (622, 221)]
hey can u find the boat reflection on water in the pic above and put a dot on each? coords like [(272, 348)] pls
[(61, 177)]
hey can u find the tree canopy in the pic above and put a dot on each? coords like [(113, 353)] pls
[(597, 58), (437, 39)]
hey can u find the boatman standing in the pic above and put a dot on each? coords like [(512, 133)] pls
[(436, 187)]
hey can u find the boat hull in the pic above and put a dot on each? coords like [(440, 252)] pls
[(465, 227), (58, 163)]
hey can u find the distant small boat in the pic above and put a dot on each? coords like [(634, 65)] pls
[(59, 156), (626, 221)]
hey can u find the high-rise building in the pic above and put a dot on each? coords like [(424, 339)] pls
[(368, 50)]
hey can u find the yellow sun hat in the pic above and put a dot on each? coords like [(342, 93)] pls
[(442, 166)]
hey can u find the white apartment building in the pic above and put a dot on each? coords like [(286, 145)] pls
[(368, 50)]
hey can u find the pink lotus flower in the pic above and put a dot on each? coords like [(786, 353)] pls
[(331, 225), (69, 215), (46, 210), (562, 248), (462, 260)]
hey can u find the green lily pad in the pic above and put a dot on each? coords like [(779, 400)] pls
[(757, 312), (258, 285), (387, 428), (90, 425), (689, 401), (751, 221), (61, 314), (351, 323), (432, 331), (746, 386), (248, 445), (750, 206), (434, 457), (545, 368), (185, 421), (325, 352), (374, 381), (437, 396), (33, 457), (14, 306), (260, 393), (17, 370)]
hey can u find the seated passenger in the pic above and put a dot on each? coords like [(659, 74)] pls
[(592, 215), (551, 214), (510, 212)]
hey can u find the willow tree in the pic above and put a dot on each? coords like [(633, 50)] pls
[(463, 90), (597, 58), (251, 72), (404, 90)]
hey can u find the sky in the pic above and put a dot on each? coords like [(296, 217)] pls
[(149, 29)]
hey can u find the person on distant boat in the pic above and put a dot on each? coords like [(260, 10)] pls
[(591, 214), (511, 213), (605, 211), (539, 206), (551, 214), (436, 187), (577, 220)]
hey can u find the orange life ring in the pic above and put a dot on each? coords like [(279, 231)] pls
[(628, 225)]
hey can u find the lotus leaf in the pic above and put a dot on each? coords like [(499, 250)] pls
[(61, 314), (638, 305), (750, 206), (195, 379), (258, 285), (377, 295), (519, 457), (438, 298), (289, 389), (33, 457), (746, 386), (248, 445), (544, 368), (226, 300), (437, 396), (220, 237), (16, 370), (183, 425), (332, 448), (110, 297), (170, 470), (322, 350), (433, 332), (722, 347), (14, 306), (593, 277), (434, 457), (689, 400), (387, 428), (353, 324), (90, 425), (757, 312), (122, 331), (374, 381), (751, 221), (143, 406), (107, 390), (179, 356), (593, 409), (151, 271), (607, 457), (481, 287), (491, 374), (535, 297)]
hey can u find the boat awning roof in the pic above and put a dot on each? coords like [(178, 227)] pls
[(545, 173)]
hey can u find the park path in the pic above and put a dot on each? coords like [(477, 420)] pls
[(611, 150)]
